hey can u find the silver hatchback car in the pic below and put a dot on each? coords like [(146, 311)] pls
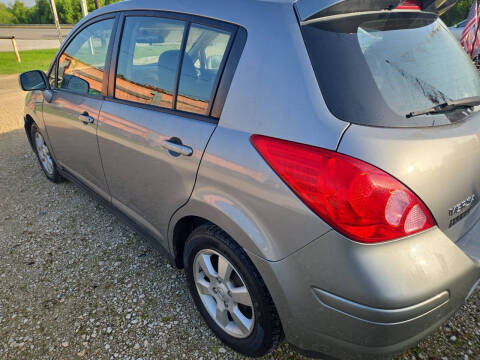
[(313, 165)]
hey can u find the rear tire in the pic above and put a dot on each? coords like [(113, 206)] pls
[(230, 295), (48, 165)]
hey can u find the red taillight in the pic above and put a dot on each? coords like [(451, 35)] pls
[(410, 5), (357, 199)]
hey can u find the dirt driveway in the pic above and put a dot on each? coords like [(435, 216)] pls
[(77, 283)]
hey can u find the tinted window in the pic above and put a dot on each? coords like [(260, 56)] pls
[(375, 68), (81, 66), (202, 60), (148, 60)]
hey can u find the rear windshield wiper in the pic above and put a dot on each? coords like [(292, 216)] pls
[(448, 106)]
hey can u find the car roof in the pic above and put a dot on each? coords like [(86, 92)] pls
[(235, 11)]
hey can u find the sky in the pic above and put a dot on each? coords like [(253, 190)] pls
[(26, 2)]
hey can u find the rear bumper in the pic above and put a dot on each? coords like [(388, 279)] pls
[(381, 316), (350, 300), (470, 242)]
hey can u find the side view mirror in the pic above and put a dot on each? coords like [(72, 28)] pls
[(33, 80)]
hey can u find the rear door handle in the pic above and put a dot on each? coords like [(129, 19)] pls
[(177, 148), (86, 119)]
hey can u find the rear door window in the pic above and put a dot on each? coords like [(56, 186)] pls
[(202, 60), (170, 63), (148, 60)]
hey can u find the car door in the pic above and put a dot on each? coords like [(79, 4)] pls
[(72, 106), (156, 122)]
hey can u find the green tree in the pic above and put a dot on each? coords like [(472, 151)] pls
[(20, 12), (91, 3), (69, 11), (40, 13), (457, 13), (6, 16)]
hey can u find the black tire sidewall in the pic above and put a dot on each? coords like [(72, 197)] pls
[(259, 341)]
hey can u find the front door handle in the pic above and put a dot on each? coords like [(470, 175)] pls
[(175, 148), (86, 119)]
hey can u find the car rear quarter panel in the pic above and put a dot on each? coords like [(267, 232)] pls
[(238, 191), (274, 92)]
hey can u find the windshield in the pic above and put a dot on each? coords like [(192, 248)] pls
[(374, 68)]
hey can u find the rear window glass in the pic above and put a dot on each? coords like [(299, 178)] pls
[(375, 68)]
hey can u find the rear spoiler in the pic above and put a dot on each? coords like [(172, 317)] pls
[(312, 9)]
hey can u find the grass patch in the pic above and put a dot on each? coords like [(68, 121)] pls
[(31, 60)]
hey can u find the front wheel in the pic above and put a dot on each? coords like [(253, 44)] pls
[(230, 293), (43, 154)]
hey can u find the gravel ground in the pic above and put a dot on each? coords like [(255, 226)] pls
[(75, 282)]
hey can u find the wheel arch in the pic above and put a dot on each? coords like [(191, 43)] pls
[(228, 217), (182, 229), (28, 122)]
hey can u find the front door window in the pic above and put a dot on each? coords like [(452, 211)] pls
[(81, 66)]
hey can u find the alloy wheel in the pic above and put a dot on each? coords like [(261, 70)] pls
[(44, 154), (223, 293)]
